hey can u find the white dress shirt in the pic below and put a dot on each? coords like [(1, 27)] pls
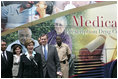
[(5, 54), (46, 46)]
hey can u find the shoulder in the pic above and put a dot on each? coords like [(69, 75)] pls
[(64, 44), (53, 46), (38, 54), (8, 52), (38, 47), (23, 55), (56, 45), (14, 6), (66, 35), (52, 32)]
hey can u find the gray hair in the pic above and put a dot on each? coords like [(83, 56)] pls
[(25, 29), (63, 18)]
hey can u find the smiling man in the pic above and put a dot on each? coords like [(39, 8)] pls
[(50, 59), (15, 14), (6, 61)]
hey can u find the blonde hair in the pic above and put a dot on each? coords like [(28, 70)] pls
[(28, 41)]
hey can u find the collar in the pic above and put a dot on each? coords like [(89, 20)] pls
[(60, 46), (2, 52), (27, 54), (17, 56), (45, 45)]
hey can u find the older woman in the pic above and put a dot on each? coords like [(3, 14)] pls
[(60, 30), (30, 62)]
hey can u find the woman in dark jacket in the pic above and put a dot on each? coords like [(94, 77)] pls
[(17, 52), (30, 62)]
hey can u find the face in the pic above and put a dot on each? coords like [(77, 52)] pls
[(44, 40), (59, 27), (3, 46), (62, 4), (80, 3), (18, 50), (39, 40), (27, 4), (24, 35), (41, 5), (30, 47), (58, 40)]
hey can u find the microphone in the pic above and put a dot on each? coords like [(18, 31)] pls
[(32, 59)]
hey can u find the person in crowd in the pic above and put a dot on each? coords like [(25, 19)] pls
[(30, 62), (45, 8), (10, 12), (22, 36), (26, 11), (59, 29), (40, 10), (64, 54), (39, 40), (17, 51), (50, 59), (6, 61), (59, 6)]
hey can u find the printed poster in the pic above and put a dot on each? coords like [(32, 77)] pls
[(89, 28)]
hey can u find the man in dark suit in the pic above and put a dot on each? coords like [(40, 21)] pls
[(50, 59), (6, 61)]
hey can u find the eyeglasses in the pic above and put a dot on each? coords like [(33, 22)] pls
[(58, 24), (24, 35)]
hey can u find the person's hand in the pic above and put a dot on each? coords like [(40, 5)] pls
[(59, 73)]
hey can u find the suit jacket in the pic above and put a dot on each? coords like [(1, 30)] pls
[(52, 65), (30, 69), (6, 68)]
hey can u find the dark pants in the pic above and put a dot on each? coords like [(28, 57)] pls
[(47, 75)]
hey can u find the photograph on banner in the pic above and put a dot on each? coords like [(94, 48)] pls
[(17, 13), (85, 42)]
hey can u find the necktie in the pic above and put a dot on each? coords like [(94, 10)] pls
[(45, 53), (4, 57)]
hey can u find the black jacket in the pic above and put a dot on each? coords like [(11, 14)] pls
[(6, 68), (52, 65), (30, 69)]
